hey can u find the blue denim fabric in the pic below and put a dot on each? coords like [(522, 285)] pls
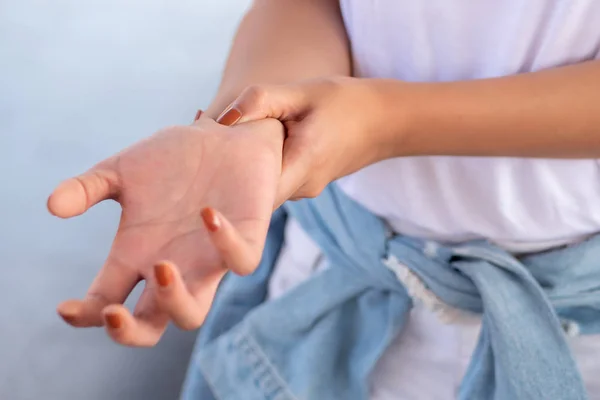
[(322, 339)]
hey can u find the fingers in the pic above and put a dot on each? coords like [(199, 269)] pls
[(165, 298), (282, 102), (142, 330), (76, 195), (174, 298), (112, 285), (124, 329), (240, 255), (198, 115), (285, 103)]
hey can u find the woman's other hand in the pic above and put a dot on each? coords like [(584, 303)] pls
[(334, 126)]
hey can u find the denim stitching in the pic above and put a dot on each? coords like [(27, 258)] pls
[(247, 344)]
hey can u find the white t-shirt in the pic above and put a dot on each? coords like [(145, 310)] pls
[(521, 204)]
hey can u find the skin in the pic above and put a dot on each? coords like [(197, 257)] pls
[(334, 125), (554, 113), (282, 41), (260, 54), (166, 186)]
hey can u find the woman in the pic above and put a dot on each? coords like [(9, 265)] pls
[(461, 122)]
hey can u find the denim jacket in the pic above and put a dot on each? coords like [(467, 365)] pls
[(322, 339)]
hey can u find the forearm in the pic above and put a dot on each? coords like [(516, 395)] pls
[(551, 114), (281, 41)]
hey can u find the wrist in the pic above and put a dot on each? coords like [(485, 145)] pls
[(419, 117), (391, 115)]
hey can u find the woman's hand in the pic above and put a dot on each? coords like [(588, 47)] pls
[(171, 235), (334, 126)]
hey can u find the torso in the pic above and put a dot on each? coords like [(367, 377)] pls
[(521, 204)]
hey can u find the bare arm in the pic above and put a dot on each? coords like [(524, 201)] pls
[(281, 41), (553, 113)]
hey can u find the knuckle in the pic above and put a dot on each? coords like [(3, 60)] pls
[(123, 338), (332, 84), (313, 190), (165, 298), (150, 343), (241, 265), (190, 325), (248, 267), (133, 340), (255, 94)]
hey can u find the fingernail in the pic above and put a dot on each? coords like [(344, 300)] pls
[(229, 117), (198, 115), (163, 274), (211, 219), (113, 320)]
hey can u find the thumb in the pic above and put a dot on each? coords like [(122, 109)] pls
[(76, 195), (282, 102)]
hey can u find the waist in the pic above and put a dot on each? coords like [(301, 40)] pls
[(521, 205)]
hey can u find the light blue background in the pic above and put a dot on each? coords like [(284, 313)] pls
[(79, 80)]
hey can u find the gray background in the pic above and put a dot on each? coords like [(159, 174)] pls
[(80, 80)]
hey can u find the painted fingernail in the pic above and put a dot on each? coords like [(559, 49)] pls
[(198, 115), (211, 219), (229, 117), (163, 274), (113, 320)]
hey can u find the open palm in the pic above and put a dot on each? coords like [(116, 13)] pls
[(196, 202)]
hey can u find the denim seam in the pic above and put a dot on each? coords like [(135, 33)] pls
[(245, 342)]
